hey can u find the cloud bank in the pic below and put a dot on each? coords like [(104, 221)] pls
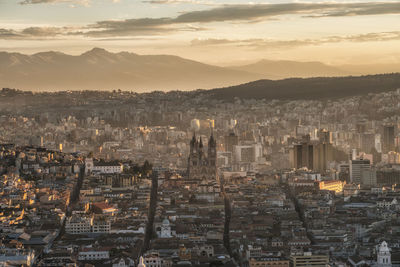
[(271, 43), (192, 21)]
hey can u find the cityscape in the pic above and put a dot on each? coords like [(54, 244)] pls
[(199, 136)]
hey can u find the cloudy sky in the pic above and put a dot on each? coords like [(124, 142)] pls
[(212, 31)]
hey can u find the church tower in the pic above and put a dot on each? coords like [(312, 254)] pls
[(212, 151), (165, 229), (88, 165), (141, 262), (193, 159), (384, 256)]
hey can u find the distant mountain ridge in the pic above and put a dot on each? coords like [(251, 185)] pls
[(99, 69)]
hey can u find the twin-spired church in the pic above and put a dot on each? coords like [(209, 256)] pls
[(202, 166)]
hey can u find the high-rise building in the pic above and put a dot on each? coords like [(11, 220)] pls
[(367, 142), (356, 169), (325, 136), (230, 141), (303, 155), (312, 155), (247, 153), (323, 154), (388, 138), (368, 177), (344, 172)]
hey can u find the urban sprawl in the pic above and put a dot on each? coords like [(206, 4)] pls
[(184, 179)]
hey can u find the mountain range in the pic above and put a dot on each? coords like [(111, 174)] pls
[(99, 69), (103, 70)]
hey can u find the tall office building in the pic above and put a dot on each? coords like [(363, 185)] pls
[(368, 177), (230, 141), (388, 138), (357, 168), (323, 154), (247, 153), (303, 154), (325, 136), (367, 142), (312, 155)]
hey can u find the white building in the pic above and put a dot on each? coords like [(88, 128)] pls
[(92, 255), (152, 260), (253, 252), (100, 224), (108, 168), (102, 167), (122, 262), (88, 165), (165, 231), (387, 203), (84, 225), (384, 256), (77, 225), (204, 250)]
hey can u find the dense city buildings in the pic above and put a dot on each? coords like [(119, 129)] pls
[(199, 133), (164, 179)]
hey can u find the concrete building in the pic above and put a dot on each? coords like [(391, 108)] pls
[(93, 255), (356, 168), (230, 141), (77, 225), (268, 262), (388, 138), (307, 259)]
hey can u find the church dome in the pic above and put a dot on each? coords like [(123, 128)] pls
[(384, 247)]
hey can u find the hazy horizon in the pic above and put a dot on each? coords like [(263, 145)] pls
[(232, 63)]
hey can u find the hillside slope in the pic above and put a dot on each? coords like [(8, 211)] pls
[(310, 88)]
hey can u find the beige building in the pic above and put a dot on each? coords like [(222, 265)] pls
[(266, 262), (309, 260), (332, 185)]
